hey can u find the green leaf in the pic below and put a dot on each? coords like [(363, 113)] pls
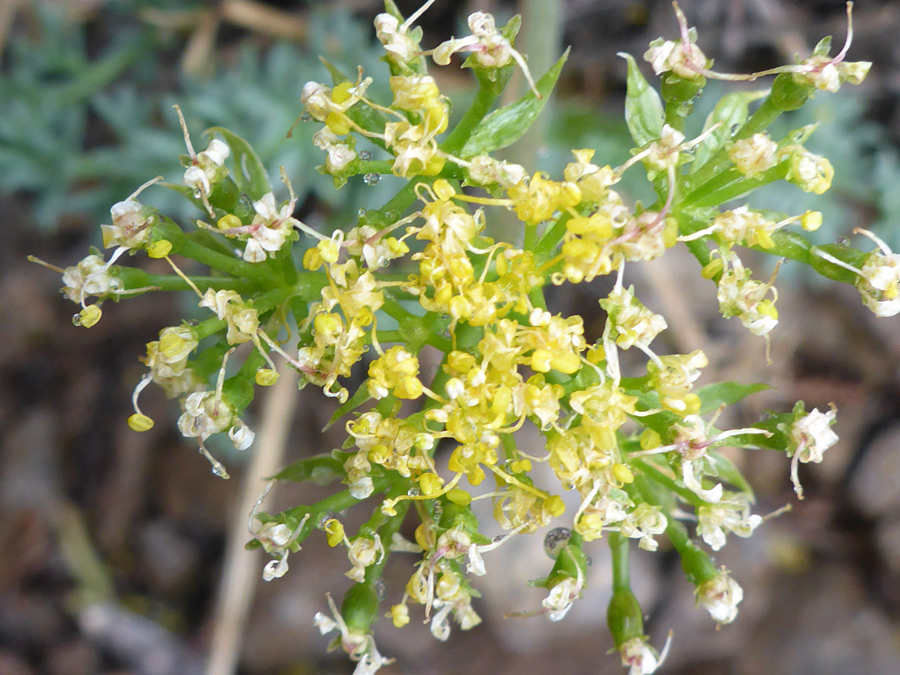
[(730, 113), (337, 75), (321, 470), (712, 396), (728, 472), (249, 171), (643, 107), (505, 126)]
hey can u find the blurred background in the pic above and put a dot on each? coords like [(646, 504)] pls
[(113, 544)]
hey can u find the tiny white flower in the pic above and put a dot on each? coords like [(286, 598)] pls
[(720, 596)]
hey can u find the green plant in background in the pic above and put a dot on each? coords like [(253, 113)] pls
[(420, 280), (52, 88)]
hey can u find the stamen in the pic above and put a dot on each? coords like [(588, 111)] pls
[(187, 136)]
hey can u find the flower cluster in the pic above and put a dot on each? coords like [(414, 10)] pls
[(447, 333)]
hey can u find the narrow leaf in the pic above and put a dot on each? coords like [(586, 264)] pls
[(712, 396), (505, 126), (249, 172), (643, 107)]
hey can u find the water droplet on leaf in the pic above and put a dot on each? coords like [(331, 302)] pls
[(372, 179), (555, 540), (365, 155)]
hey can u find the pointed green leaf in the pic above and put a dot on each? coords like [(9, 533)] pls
[(643, 107), (712, 396), (249, 172), (505, 126), (337, 75)]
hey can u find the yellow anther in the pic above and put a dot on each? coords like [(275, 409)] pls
[(422, 536), (459, 497), (399, 615), (622, 473), (228, 222), (430, 483), (565, 362), (555, 505), (266, 377), (139, 422), (409, 388), (312, 259), (171, 344), (443, 189), (329, 250), (712, 268), (811, 221), (88, 316), (334, 532), (339, 123), (341, 93), (650, 439), (520, 466), (379, 453), (159, 249)]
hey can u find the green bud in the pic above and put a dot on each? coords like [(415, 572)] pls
[(679, 90), (360, 607), (788, 94), (624, 617)]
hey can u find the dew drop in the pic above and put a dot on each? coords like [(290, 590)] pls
[(197, 194), (76, 319), (372, 179), (305, 116), (381, 589), (555, 540), (843, 241), (413, 492), (217, 468), (365, 155), (321, 475), (362, 213)]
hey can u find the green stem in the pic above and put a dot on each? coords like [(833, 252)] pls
[(363, 166), (226, 263), (618, 546), (133, 278), (546, 245), (488, 91), (724, 188), (336, 502), (696, 563)]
